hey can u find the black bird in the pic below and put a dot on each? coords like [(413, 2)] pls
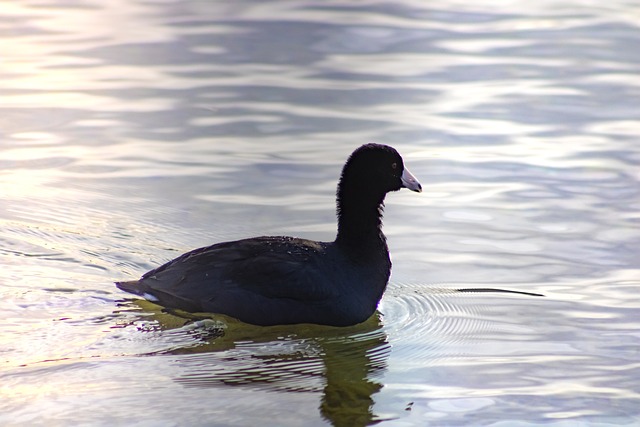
[(286, 280)]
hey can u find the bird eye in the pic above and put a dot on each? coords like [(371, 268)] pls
[(394, 165)]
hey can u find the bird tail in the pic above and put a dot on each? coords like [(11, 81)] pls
[(133, 287)]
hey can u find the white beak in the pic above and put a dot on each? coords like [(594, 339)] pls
[(409, 181)]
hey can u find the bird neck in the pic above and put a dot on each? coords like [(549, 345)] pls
[(360, 221)]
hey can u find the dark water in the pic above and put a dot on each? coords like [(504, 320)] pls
[(134, 131)]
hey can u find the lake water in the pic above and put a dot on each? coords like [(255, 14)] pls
[(133, 131)]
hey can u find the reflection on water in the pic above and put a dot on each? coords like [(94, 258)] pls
[(344, 364), (134, 131)]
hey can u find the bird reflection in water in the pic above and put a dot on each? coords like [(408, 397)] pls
[(340, 363)]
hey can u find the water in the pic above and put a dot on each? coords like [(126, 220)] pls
[(134, 131)]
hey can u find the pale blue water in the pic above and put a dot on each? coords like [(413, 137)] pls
[(135, 131)]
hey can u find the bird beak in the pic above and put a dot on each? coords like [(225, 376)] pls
[(409, 181)]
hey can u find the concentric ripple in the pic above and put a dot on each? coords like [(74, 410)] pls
[(442, 319)]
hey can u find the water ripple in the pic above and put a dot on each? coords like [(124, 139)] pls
[(441, 317)]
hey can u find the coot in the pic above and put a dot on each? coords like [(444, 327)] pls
[(286, 280)]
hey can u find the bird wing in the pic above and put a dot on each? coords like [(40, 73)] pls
[(273, 267)]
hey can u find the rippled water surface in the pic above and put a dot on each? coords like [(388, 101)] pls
[(134, 131)]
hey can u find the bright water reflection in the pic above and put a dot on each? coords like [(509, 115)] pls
[(134, 131)]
